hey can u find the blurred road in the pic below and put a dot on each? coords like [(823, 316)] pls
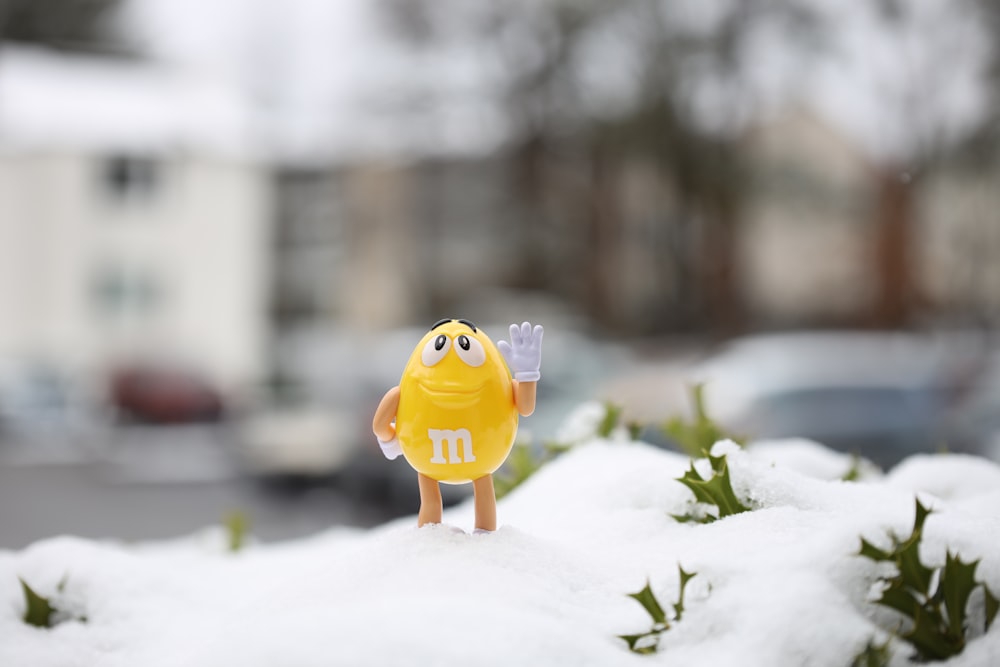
[(149, 484)]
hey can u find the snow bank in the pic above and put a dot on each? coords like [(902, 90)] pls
[(780, 585), (49, 100)]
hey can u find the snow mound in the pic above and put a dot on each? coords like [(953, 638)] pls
[(780, 585), (812, 459)]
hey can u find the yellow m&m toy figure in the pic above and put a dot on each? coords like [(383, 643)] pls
[(454, 414)]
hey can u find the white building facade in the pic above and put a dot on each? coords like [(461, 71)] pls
[(134, 225)]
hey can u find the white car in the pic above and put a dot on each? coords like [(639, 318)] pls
[(296, 439)]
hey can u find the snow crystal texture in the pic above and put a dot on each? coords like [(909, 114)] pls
[(780, 585)]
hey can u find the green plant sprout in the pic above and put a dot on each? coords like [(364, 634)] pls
[(696, 438), (612, 415), (935, 600), (613, 418), (525, 459), (39, 610), (717, 490), (523, 462), (873, 655), (647, 642), (853, 473), (237, 526)]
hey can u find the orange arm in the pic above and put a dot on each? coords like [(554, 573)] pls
[(384, 414), (524, 397)]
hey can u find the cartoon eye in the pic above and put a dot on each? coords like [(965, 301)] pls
[(435, 349), (470, 351)]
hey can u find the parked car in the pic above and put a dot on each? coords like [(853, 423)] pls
[(37, 403), (163, 395), (882, 395), (287, 434), (975, 423)]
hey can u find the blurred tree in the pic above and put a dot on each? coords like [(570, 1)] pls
[(908, 76), (71, 25), (701, 166), (576, 136), (592, 89), (936, 46), (895, 181), (978, 157)]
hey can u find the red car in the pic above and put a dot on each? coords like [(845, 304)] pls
[(164, 396)]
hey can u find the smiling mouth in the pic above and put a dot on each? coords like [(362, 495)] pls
[(446, 391)]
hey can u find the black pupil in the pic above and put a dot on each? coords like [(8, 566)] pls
[(439, 342), (463, 342)]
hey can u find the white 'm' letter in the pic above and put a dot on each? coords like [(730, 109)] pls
[(438, 437)]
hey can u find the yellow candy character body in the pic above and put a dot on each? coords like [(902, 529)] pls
[(456, 409), (456, 420)]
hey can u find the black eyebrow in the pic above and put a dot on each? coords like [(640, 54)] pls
[(440, 322), (469, 324)]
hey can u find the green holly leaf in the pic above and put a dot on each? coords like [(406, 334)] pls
[(691, 518), (677, 430), (868, 550), (992, 606), (648, 600), (853, 473), (634, 430), (939, 628), (914, 573), (696, 438), (897, 596), (632, 640), (717, 490), (679, 605), (718, 463), (647, 642), (635, 642), (919, 517), (722, 488), (930, 639), (693, 480), (958, 580), (38, 610), (873, 655)]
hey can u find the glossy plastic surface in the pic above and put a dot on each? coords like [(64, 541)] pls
[(456, 422)]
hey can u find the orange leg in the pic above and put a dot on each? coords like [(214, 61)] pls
[(486, 503), (430, 500)]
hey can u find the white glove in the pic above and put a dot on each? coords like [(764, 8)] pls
[(390, 448), (524, 352)]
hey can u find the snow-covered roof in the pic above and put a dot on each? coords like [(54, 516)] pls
[(335, 82), (54, 101)]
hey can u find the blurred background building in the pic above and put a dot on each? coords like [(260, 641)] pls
[(203, 201), (213, 174)]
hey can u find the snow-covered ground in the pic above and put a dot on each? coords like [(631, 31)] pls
[(780, 585)]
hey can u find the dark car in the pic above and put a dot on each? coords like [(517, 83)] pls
[(886, 423), (882, 395), (885, 396)]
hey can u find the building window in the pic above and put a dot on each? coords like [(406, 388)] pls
[(117, 292), (130, 177)]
